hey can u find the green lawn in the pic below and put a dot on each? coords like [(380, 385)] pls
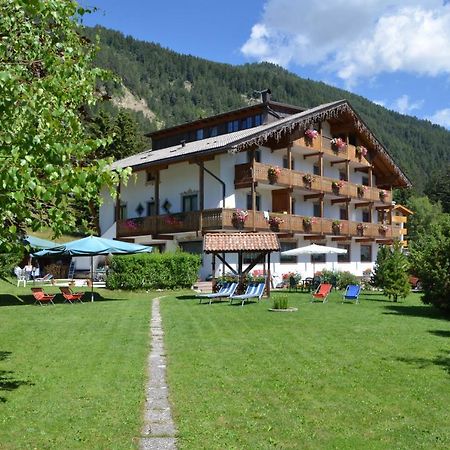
[(330, 376), (72, 376)]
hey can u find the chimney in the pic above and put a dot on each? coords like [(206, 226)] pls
[(265, 95)]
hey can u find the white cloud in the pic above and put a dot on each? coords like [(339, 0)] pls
[(355, 38), (442, 117), (404, 106)]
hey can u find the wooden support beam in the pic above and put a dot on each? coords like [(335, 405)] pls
[(362, 169), (222, 258), (379, 208), (339, 161), (165, 237), (285, 235), (341, 238), (201, 159), (259, 259), (321, 165), (244, 185), (312, 196), (363, 205), (365, 239), (312, 154), (341, 200), (314, 237)]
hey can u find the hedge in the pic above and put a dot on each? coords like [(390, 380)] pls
[(153, 271)]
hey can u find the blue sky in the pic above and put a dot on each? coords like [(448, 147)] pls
[(393, 52)]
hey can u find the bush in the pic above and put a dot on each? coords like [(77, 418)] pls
[(153, 271), (346, 278)]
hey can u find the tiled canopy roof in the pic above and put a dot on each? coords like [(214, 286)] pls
[(235, 242)]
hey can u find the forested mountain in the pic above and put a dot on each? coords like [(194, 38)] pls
[(179, 88)]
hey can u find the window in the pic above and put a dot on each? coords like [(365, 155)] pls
[(257, 120), (213, 132), (382, 216), (258, 202), (248, 258), (318, 259), (246, 123), (344, 258), (122, 211), (316, 169), (342, 175), (190, 202), (316, 210), (343, 214), (285, 163), (365, 181), (365, 216), (151, 208), (287, 259), (195, 247), (233, 126), (257, 156), (199, 134), (366, 253), (151, 177)]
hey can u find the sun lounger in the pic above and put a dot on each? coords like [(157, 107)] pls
[(41, 297), (70, 296), (225, 291), (322, 292), (352, 293), (254, 290)]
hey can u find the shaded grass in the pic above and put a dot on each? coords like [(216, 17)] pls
[(374, 375), (72, 376)]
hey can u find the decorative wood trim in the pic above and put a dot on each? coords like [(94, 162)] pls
[(342, 238), (315, 237), (165, 237), (340, 161), (311, 196), (341, 200), (364, 205), (364, 239), (312, 154)]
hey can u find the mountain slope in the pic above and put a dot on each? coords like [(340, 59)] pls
[(179, 88)]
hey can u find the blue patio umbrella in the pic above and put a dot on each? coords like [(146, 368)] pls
[(93, 246), (39, 243)]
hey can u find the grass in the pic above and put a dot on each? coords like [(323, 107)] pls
[(330, 376), (72, 376)]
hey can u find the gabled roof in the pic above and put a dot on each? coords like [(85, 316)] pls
[(403, 209), (239, 242), (239, 140)]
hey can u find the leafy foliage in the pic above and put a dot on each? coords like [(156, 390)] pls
[(425, 214), (153, 271), (438, 188), (9, 260), (180, 88), (430, 258), (46, 79)]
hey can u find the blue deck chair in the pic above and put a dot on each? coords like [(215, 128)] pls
[(225, 291), (254, 290), (352, 293)]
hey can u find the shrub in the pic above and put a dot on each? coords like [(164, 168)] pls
[(153, 271), (8, 261), (346, 278)]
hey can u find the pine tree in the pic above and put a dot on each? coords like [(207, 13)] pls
[(395, 281), (378, 275)]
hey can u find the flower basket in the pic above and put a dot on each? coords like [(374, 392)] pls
[(308, 223), (360, 151), (383, 229), (360, 229), (383, 195), (275, 222), (336, 227), (238, 219), (310, 135), (273, 173), (307, 180), (338, 145), (134, 224), (361, 190), (337, 186)]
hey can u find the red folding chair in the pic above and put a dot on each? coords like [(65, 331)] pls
[(70, 296), (322, 292), (41, 297)]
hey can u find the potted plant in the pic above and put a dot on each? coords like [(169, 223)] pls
[(273, 173), (238, 219), (383, 195), (311, 134), (361, 190), (383, 229), (338, 144), (308, 223), (280, 304), (307, 180), (336, 226), (337, 186), (360, 229), (275, 222), (360, 151)]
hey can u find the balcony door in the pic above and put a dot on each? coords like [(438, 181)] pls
[(281, 201)]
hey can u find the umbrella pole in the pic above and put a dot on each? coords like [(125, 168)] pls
[(92, 278)]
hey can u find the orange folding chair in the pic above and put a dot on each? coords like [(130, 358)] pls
[(41, 297), (70, 296), (322, 292)]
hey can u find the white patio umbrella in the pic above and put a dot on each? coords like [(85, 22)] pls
[(314, 249)]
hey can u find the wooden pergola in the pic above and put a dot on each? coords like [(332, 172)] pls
[(261, 245)]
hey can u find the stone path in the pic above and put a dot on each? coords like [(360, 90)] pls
[(159, 430)]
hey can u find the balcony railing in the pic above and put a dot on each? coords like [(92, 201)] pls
[(314, 183), (222, 219)]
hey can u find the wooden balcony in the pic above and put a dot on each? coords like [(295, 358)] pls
[(222, 219), (300, 180)]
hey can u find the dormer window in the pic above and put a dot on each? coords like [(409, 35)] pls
[(233, 126), (199, 134)]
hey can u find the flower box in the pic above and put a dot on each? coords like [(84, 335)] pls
[(311, 134), (238, 219), (361, 190), (360, 152), (273, 173), (338, 145), (275, 222), (336, 227), (307, 180), (383, 194), (360, 229)]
